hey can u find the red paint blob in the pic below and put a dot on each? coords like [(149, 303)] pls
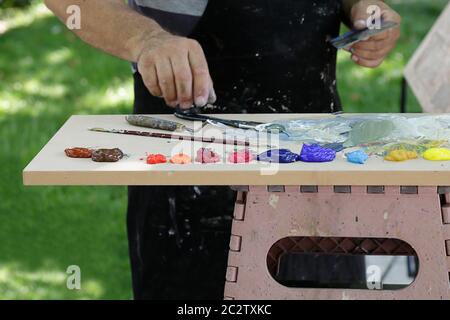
[(156, 159), (78, 153), (243, 156)]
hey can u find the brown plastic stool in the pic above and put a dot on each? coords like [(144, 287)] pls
[(409, 219)]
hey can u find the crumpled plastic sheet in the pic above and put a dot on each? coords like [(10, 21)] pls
[(279, 156), (433, 127), (355, 130), (316, 153), (248, 134), (338, 147), (369, 131), (358, 157), (317, 130), (359, 130)]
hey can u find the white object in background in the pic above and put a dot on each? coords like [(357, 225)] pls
[(428, 72)]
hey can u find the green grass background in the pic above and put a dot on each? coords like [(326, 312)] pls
[(46, 75)]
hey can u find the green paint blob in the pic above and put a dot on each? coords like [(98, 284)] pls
[(369, 131)]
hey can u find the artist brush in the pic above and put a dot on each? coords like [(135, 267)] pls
[(170, 136)]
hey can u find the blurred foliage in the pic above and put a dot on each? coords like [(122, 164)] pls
[(14, 3), (46, 75)]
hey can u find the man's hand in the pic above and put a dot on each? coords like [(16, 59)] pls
[(175, 68), (372, 52)]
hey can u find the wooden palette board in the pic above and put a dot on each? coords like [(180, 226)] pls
[(52, 167)]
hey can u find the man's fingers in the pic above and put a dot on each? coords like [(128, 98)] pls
[(151, 81), (183, 79), (391, 15), (370, 45), (359, 24), (177, 70), (166, 81), (147, 69), (372, 55), (381, 36), (212, 97), (367, 63), (371, 52), (359, 15), (388, 15), (200, 73)]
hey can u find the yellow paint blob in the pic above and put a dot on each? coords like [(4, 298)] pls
[(437, 154), (401, 155)]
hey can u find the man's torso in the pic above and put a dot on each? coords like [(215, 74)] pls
[(264, 55)]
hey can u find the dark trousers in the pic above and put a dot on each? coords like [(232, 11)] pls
[(178, 236)]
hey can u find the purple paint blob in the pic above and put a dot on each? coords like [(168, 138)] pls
[(316, 153)]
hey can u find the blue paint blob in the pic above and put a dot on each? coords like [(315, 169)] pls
[(278, 156), (359, 157), (316, 153)]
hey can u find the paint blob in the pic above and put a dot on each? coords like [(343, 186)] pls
[(156, 159), (278, 156), (437, 154), (78, 153), (358, 157), (316, 153), (242, 156), (205, 155), (369, 131), (401, 155), (107, 155), (181, 158)]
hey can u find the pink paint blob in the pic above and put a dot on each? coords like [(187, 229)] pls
[(242, 156), (205, 155)]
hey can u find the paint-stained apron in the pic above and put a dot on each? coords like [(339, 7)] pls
[(264, 56)]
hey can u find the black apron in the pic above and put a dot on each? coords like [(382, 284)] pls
[(264, 56)]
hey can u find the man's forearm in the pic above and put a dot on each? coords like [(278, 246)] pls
[(110, 26)]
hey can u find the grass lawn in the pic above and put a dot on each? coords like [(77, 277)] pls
[(46, 75)]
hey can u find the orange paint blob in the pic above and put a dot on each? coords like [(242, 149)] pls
[(181, 159)]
